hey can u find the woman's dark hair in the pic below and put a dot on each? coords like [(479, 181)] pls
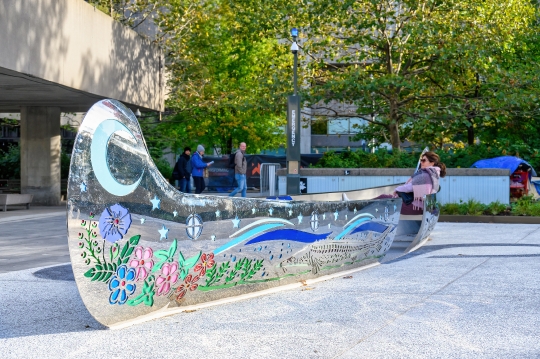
[(433, 157), (187, 149)]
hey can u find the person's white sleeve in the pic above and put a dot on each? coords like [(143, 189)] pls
[(407, 187)]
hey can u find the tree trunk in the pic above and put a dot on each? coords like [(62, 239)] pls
[(229, 146), (470, 135), (393, 128)]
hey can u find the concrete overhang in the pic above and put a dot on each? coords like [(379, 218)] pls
[(67, 54)]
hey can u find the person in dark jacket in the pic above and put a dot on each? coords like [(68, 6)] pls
[(198, 166), (183, 170)]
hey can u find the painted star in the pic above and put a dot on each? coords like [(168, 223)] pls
[(271, 210), (355, 210), (300, 217), (213, 237), (336, 214), (236, 222), (218, 213), (143, 220), (175, 213), (376, 210), (163, 232), (83, 187), (290, 212), (324, 216), (253, 210), (155, 203), (345, 217), (329, 225)]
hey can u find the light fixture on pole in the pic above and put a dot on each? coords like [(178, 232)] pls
[(293, 127)]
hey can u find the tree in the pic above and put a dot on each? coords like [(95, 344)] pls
[(404, 63), (227, 82)]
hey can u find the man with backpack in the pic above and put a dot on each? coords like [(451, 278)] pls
[(183, 168), (239, 163)]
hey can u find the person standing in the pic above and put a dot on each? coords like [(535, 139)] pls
[(240, 169), (184, 170), (198, 166)]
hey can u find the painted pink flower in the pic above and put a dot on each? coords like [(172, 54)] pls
[(207, 262), (142, 262), (169, 276), (190, 283)]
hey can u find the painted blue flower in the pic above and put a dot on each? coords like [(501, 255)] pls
[(120, 285), (114, 223)]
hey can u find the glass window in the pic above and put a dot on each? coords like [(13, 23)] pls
[(338, 126), (355, 123)]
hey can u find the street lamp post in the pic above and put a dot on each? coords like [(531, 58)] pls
[(293, 127)]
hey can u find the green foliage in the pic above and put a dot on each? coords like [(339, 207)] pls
[(157, 141), (526, 206), (228, 80), (360, 159), (463, 157), (496, 208), (450, 208), (10, 163), (474, 208), (65, 162), (471, 207), (450, 67)]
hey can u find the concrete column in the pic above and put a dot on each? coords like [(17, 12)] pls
[(40, 154)]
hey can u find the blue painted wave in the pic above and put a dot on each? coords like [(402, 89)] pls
[(289, 235), (370, 226), (245, 236)]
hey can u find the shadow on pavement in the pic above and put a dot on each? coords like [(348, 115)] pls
[(433, 248), (62, 272), (35, 307)]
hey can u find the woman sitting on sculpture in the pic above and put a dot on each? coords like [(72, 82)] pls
[(424, 182)]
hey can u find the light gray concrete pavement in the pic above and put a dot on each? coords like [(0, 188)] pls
[(33, 238), (471, 292)]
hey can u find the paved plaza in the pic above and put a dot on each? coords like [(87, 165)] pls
[(471, 292)]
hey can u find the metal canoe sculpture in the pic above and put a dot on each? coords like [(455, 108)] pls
[(138, 246)]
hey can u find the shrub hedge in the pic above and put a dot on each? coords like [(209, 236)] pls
[(453, 158), (525, 206)]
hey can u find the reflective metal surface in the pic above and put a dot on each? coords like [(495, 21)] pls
[(430, 217), (138, 245), (414, 230)]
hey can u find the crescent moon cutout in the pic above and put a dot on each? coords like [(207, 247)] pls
[(98, 156)]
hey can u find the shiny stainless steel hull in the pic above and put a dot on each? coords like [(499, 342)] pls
[(141, 249)]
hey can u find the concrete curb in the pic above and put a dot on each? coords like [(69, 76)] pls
[(490, 219)]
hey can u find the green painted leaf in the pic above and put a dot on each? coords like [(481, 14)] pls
[(135, 240), (114, 251), (89, 273), (187, 264), (165, 256)]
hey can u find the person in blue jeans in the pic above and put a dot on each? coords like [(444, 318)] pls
[(240, 169)]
